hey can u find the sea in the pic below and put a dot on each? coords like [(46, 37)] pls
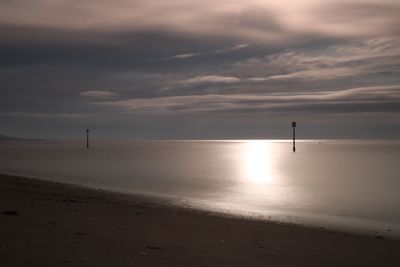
[(345, 185)]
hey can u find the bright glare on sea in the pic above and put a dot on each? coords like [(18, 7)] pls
[(352, 184)]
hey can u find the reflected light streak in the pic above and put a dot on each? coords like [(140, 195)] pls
[(258, 162)]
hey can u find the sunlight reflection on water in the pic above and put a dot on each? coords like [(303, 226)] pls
[(346, 179), (257, 161)]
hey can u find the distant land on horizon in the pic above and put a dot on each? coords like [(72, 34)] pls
[(13, 138), (6, 137)]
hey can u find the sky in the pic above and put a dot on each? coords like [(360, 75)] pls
[(210, 69)]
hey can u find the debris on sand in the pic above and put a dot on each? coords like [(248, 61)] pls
[(156, 248), (10, 212)]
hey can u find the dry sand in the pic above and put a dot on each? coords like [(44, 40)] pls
[(50, 224)]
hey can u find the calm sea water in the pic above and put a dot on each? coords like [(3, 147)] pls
[(351, 184)]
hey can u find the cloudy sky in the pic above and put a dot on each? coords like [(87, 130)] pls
[(183, 69)]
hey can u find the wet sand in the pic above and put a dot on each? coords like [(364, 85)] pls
[(50, 224)]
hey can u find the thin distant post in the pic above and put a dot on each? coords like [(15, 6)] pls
[(294, 124), (87, 138)]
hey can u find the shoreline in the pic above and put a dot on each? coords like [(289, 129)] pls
[(78, 226), (342, 225)]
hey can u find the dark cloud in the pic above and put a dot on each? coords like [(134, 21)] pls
[(168, 69)]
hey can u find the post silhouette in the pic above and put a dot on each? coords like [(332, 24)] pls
[(87, 138), (294, 135)]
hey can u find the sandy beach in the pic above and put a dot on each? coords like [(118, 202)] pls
[(50, 224)]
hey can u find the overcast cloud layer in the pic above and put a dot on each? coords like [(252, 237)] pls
[(208, 69)]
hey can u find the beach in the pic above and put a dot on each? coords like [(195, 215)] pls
[(52, 224)]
